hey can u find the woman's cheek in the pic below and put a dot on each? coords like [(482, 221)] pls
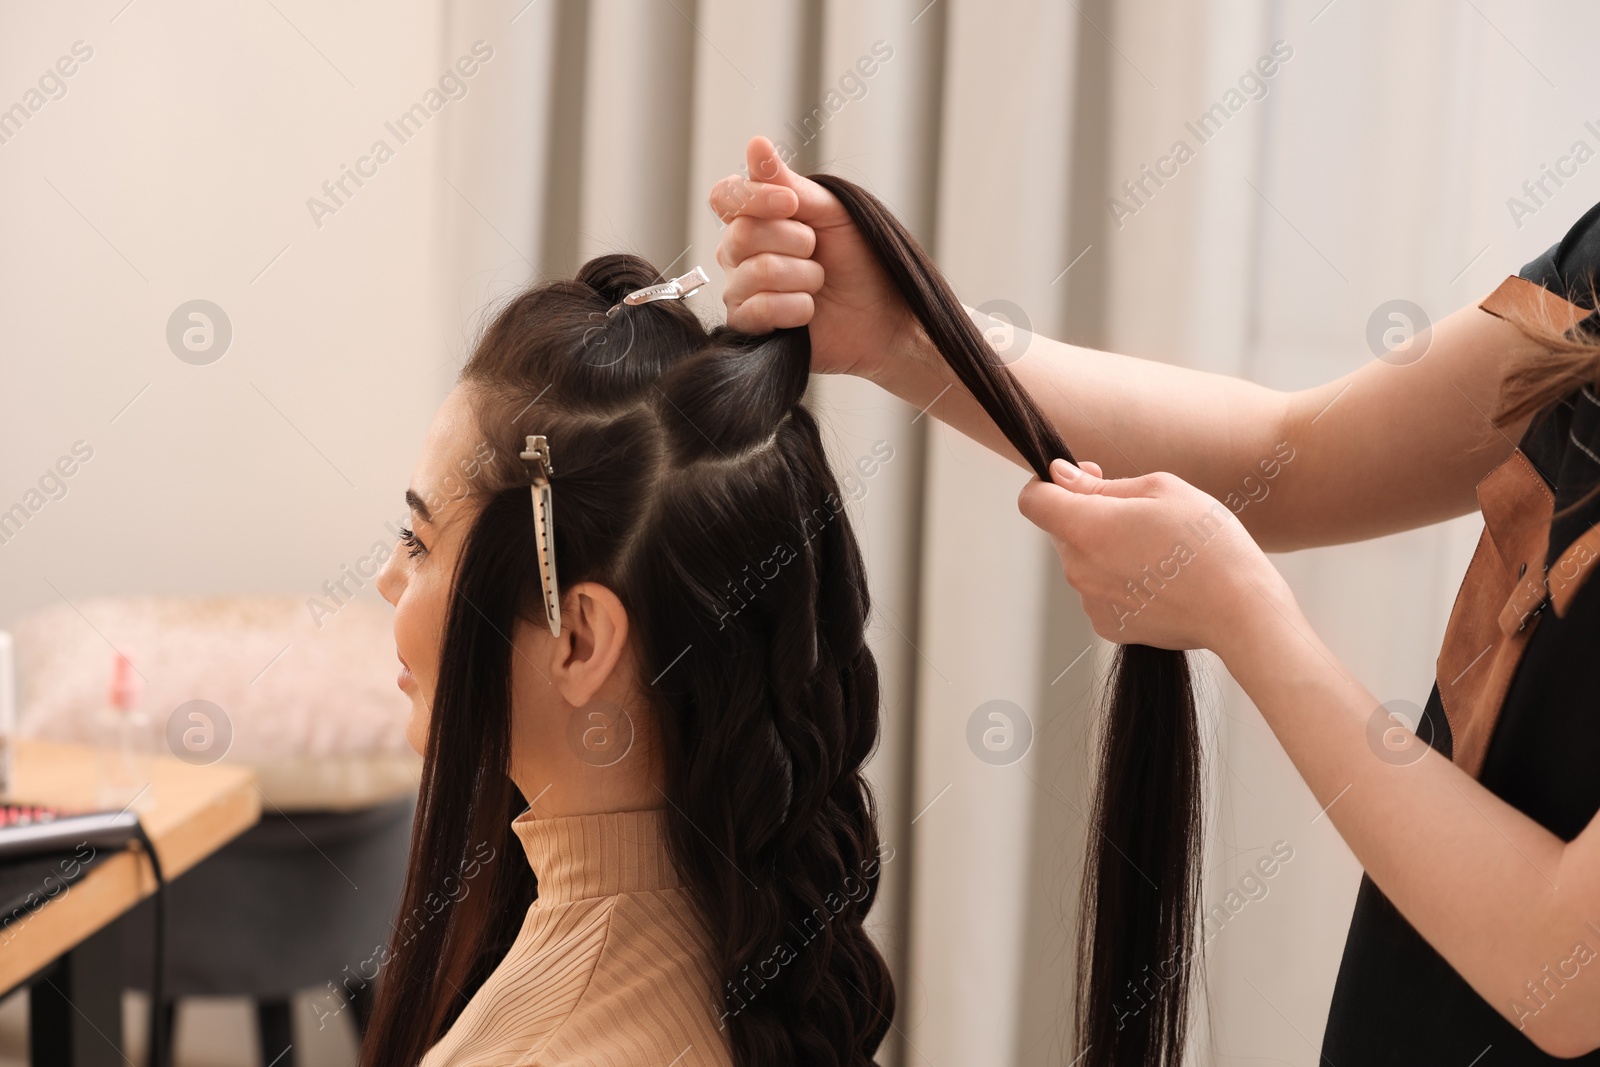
[(419, 630), (417, 728)]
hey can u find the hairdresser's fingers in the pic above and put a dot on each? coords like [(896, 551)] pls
[(1087, 480), (1079, 520), (1092, 467), (817, 206), (736, 196), (765, 312), (766, 272), (1059, 512), (746, 236)]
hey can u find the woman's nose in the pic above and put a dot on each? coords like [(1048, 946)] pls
[(391, 579)]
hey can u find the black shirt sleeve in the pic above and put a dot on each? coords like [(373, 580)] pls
[(1570, 268)]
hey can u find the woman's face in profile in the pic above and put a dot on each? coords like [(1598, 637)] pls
[(417, 577), (418, 580)]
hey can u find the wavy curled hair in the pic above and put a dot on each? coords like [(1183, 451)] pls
[(690, 480)]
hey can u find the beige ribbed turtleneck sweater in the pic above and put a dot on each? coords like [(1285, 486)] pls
[(610, 967)]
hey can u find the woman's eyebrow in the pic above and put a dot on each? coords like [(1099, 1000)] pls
[(414, 502)]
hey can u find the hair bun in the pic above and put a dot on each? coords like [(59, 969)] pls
[(616, 275)]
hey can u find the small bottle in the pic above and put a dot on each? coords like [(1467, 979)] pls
[(122, 779)]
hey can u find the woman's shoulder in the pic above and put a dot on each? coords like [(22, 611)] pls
[(651, 995), (624, 980)]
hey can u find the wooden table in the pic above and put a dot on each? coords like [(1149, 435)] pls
[(189, 813)]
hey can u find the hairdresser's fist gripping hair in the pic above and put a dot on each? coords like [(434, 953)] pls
[(794, 257)]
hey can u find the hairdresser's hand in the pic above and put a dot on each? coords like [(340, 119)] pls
[(793, 257), (1156, 561)]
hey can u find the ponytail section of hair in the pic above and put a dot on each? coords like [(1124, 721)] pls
[(1137, 938)]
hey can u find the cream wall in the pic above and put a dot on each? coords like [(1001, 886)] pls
[(177, 167)]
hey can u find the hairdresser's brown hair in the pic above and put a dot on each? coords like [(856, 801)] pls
[(1140, 889), (1559, 362)]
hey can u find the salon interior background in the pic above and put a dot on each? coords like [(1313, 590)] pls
[(229, 153)]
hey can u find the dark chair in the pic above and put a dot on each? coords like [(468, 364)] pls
[(299, 902)]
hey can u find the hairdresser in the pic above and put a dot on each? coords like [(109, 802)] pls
[(1477, 927)]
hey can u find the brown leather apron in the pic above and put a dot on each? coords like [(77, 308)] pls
[(1507, 586)]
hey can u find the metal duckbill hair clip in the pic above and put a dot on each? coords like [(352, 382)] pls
[(538, 452), (675, 289)]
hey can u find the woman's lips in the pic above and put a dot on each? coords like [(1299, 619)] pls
[(404, 678)]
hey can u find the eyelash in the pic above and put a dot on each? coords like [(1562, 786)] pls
[(412, 542)]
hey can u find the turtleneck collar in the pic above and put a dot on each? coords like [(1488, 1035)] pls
[(580, 856)]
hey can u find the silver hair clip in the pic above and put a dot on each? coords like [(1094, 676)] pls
[(538, 452), (675, 289)]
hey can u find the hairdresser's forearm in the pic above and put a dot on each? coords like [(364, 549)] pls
[(1495, 893), (1389, 446), (1129, 415)]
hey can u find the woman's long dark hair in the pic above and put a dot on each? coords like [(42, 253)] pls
[(690, 481), (1140, 893)]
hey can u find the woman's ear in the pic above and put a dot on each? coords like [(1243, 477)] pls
[(594, 632)]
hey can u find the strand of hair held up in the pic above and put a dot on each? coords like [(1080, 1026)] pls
[(1136, 944)]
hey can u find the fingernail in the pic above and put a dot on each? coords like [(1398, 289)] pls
[(1062, 471)]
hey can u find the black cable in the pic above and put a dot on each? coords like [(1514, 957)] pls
[(158, 953)]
